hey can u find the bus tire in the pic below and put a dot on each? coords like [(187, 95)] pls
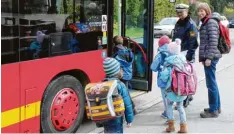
[(63, 96)]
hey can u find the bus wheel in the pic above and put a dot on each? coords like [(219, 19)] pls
[(62, 108)]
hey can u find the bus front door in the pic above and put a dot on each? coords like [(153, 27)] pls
[(136, 27)]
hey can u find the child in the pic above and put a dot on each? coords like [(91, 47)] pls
[(177, 60), (156, 66), (114, 72), (125, 57)]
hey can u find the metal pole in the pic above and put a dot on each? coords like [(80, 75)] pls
[(119, 17)]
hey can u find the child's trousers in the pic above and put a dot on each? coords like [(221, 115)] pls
[(180, 108), (114, 126), (163, 92)]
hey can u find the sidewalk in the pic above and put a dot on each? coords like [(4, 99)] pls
[(149, 121), (152, 101)]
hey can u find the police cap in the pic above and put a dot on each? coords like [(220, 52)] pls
[(181, 7)]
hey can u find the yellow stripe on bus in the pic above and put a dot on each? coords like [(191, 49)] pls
[(105, 113), (104, 106), (19, 114)]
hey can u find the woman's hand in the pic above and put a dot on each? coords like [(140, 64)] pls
[(207, 62)]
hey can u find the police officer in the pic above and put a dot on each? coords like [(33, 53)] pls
[(186, 30)]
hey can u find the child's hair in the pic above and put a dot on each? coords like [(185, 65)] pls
[(118, 40)]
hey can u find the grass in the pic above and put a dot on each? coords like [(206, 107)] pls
[(132, 32)]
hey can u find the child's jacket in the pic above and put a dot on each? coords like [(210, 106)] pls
[(157, 66), (125, 58), (129, 116), (163, 64)]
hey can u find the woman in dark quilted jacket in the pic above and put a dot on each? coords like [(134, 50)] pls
[(209, 55)]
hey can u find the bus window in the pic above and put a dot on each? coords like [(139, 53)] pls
[(136, 27), (59, 27), (9, 6), (93, 36), (10, 31)]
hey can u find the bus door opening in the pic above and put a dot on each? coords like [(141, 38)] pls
[(138, 35)]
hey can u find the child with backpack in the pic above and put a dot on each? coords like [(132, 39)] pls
[(171, 62), (113, 72), (156, 66), (125, 57)]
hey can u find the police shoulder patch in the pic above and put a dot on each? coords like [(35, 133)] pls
[(192, 33)]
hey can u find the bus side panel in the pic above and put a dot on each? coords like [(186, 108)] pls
[(10, 97), (36, 75), (11, 129), (30, 123)]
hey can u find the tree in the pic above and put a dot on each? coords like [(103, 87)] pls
[(163, 8), (132, 9), (219, 5)]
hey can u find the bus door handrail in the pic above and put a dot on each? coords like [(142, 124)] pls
[(137, 44)]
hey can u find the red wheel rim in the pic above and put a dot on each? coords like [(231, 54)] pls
[(64, 109)]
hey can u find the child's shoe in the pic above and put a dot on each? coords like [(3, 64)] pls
[(171, 126), (183, 128)]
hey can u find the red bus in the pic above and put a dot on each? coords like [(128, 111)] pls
[(52, 48)]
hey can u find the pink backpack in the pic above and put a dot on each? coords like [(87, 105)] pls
[(184, 82)]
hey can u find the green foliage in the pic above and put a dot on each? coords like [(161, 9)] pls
[(219, 5), (229, 12), (133, 10), (163, 8), (115, 11), (66, 7)]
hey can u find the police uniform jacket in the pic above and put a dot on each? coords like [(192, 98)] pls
[(186, 30)]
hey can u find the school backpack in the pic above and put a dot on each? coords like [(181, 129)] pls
[(125, 54), (224, 44), (184, 82), (103, 101)]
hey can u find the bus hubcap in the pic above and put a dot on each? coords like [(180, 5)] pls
[(64, 109)]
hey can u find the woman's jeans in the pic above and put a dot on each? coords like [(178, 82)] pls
[(180, 108), (213, 91)]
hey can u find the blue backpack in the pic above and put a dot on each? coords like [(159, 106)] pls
[(125, 57), (124, 54)]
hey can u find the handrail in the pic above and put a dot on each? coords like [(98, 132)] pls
[(137, 44)]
